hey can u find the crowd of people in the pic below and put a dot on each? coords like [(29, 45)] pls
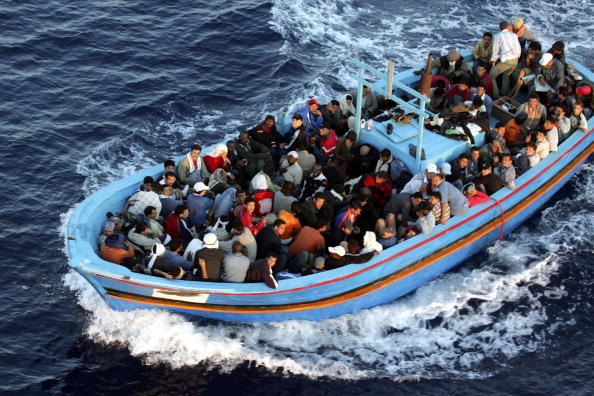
[(275, 204)]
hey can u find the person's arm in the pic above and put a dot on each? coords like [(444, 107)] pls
[(475, 51), (359, 259), (202, 265), (495, 54), (161, 273), (268, 278)]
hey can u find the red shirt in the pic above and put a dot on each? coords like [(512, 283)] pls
[(478, 198), (465, 95), (381, 192)]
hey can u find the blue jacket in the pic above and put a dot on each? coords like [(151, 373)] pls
[(311, 121)]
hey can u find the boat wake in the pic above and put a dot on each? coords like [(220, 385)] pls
[(465, 324)]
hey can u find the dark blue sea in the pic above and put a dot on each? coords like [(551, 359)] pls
[(91, 91)]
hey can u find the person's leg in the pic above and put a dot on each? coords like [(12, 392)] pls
[(510, 66), (300, 262)]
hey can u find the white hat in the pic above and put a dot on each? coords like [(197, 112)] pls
[(431, 168), (200, 187), (546, 58), (211, 241), (337, 250), (294, 154), (446, 168)]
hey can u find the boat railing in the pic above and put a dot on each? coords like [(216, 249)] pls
[(384, 85)]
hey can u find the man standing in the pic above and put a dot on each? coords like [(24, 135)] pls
[(507, 50)]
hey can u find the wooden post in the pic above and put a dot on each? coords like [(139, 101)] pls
[(390, 76), (427, 76), (359, 100)]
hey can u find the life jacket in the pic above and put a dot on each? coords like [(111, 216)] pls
[(264, 200), (519, 32), (214, 163), (328, 143)]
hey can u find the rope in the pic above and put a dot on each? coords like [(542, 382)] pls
[(502, 218)]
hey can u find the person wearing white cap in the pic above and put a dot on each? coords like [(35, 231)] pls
[(337, 257), (552, 71), (208, 260), (199, 205), (420, 181), (290, 169), (445, 169), (158, 264)]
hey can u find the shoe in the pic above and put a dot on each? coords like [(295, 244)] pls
[(389, 129)]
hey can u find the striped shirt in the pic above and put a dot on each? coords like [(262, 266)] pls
[(437, 211), (506, 46)]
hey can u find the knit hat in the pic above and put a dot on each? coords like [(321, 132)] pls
[(115, 241), (453, 56)]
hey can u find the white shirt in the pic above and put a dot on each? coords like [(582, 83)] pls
[(542, 149), (506, 46), (553, 139)]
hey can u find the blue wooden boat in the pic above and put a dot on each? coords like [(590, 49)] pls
[(388, 276)]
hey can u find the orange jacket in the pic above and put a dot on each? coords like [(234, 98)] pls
[(293, 225), (115, 255)]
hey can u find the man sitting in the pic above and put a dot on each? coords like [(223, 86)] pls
[(490, 182), (312, 117), (328, 142), (177, 224), (460, 92), (266, 134), (425, 217), (169, 179), (168, 201), (578, 119), (199, 205), (242, 235), (314, 182), (552, 71), (507, 172), (269, 241), (542, 145), (313, 209), (296, 137), (141, 199), (474, 196), (441, 210), (337, 257), (420, 181), (261, 271), (482, 93), (192, 169), (235, 265), (451, 195), (380, 186), (284, 198), (115, 249), (452, 66), (253, 153), (139, 238), (292, 223), (208, 260), (331, 115), (306, 245), (482, 51), (290, 169), (535, 114), (459, 171)]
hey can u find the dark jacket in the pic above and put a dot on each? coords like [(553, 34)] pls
[(252, 150), (268, 241), (260, 271), (330, 263), (491, 182), (296, 139), (309, 215), (267, 137)]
